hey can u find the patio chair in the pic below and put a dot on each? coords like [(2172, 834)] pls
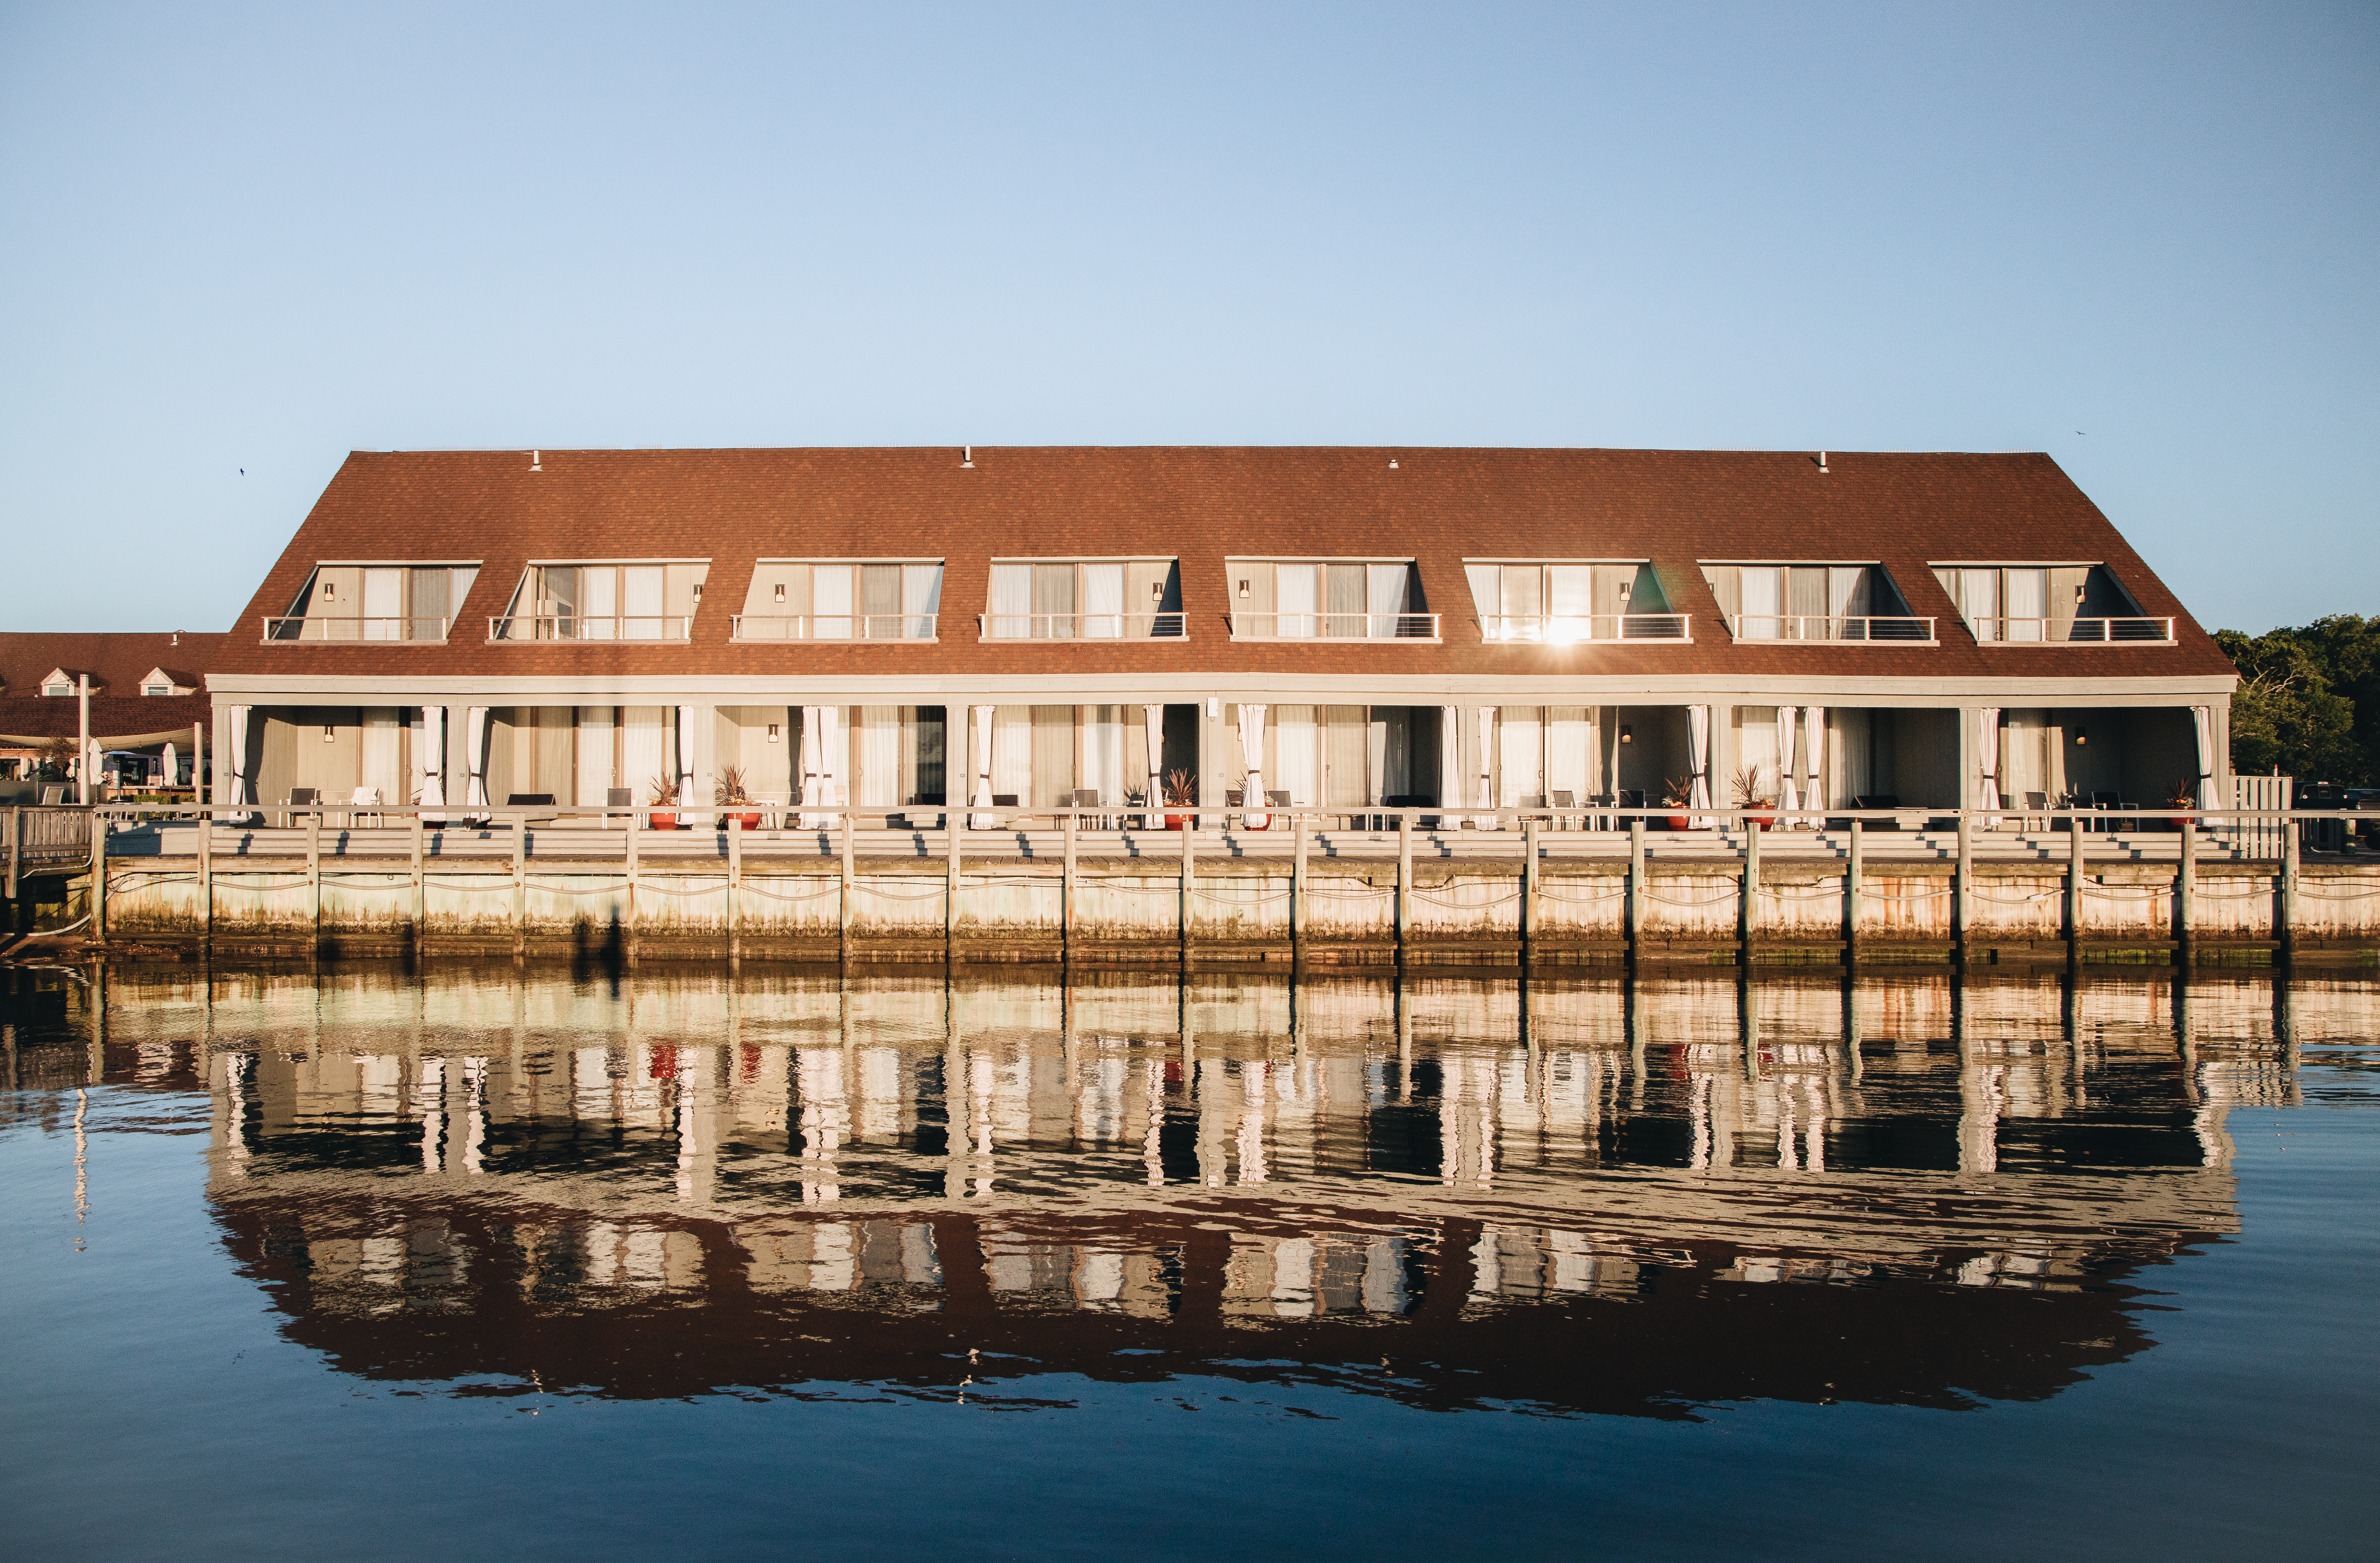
[(54, 795), (1877, 800), (1564, 799), (364, 804), (2037, 806), (2108, 804)]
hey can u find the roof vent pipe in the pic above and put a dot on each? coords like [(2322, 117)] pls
[(966, 456), (536, 461), (1822, 461)]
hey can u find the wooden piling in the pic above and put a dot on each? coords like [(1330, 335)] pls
[(98, 873), (735, 883), (958, 832), (2074, 890), (1748, 897), (1852, 893), (1528, 889), (520, 885), (314, 871), (1962, 901), (206, 877), (2185, 898), (1067, 889), (1189, 879), (2287, 932), (1297, 893), (632, 834), (850, 849), (1635, 888), (421, 880), (1404, 881)]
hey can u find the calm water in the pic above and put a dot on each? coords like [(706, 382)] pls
[(481, 1264)]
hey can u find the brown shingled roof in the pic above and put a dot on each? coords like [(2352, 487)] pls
[(1203, 504), (117, 663)]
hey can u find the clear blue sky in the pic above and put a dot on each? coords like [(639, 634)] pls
[(2141, 238)]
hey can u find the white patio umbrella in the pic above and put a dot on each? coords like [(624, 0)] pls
[(1789, 797), (1253, 816), (172, 764)]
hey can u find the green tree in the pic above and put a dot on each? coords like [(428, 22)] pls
[(2291, 712)]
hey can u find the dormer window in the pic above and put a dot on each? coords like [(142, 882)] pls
[(1814, 601), (601, 600), (2047, 604), (1085, 600), (1328, 600), (842, 600), (1563, 603), (390, 602), (59, 687), (158, 682)]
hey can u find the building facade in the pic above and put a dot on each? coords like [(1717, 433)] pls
[(1336, 627)]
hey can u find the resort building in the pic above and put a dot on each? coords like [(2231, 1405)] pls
[(132, 697), (1334, 627)]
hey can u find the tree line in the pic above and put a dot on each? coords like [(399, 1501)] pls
[(2309, 700)]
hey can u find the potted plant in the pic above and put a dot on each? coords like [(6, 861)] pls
[(663, 814), (1752, 794), (1180, 792), (729, 793), (2181, 796), (1675, 793)]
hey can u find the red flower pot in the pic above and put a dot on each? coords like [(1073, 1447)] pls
[(1679, 822), (751, 817), (1176, 821), (660, 821)]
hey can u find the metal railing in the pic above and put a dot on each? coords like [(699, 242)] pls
[(1334, 626), (1900, 628), (1083, 626), (832, 626), (585, 626), (304, 628), (1569, 629), (2044, 632)]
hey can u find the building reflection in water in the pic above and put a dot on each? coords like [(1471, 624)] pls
[(1587, 1195)]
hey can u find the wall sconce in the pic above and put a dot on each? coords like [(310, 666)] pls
[(1624, 594), (773, 726), (330, 733), (781, 591), (1243, 590), (2078, 597), (697, 591), (1156, 593), (329, 591), (1627, 734), (2082, 736)]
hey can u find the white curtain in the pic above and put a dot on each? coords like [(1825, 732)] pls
[(430, 760), (235, 749), (1252, 724), (1485, 792), (1525, 754), (1012, 754), (1988, 761), (1103, 602), (1814, 733), (641, 751), (878, 782), (690, 721), (1698, 741), (1450, 761), (1152, 719), (1788, 796), (594, 756), (381, 759), (1294, 597), (1103, 765), (2201, 722), (834, 786), (1570, 751), (980, 797), (475, 757)]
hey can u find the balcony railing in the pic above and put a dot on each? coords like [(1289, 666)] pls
[(1083, 626), (2044, 632), (1334, 626), (832, 626), (1903, 629), (303, 628), (583, 626), (1572, 629)]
